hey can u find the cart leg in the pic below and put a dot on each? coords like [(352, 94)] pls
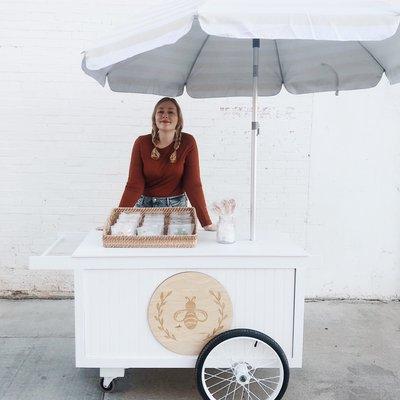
[(107, 375)]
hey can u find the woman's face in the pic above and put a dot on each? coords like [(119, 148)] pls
[(166, 116)]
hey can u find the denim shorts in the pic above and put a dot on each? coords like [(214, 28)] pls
[(174, 201)]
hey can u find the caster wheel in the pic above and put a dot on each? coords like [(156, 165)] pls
[(108, 388), (242, 364)]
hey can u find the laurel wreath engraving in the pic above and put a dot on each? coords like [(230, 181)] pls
[(221, 315), (159, 317)]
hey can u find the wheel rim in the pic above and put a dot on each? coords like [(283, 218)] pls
[(242, 368)]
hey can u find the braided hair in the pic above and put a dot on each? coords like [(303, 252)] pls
[(155, 135)]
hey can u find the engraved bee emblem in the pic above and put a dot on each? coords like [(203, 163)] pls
[(190, 315), (187, 309)]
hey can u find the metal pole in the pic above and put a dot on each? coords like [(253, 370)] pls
[(254, 134)]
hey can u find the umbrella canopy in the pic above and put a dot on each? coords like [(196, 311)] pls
[(250, 48), (307, 46)]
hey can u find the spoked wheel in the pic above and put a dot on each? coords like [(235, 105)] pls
[(242, 364)]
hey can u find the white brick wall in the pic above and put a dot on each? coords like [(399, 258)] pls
[(65, 144)]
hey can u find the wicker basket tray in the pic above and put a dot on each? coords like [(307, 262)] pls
[(149, 241)]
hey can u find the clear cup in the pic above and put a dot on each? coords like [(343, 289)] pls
[(226, 229)]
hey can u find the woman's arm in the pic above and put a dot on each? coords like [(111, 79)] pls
[(193, 187), (135, 185)]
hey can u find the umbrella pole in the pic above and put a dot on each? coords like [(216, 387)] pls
[(254, 134)]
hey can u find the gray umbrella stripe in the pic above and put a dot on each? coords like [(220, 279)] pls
[(223, 67), (172, 63), (321, 66), (387, 52)]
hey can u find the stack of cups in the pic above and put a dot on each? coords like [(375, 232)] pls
[(126, 224), (153, 225), (180, 224)]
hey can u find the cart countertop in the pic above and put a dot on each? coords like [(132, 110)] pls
[(266, 245)]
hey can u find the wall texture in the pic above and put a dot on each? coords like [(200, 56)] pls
[(328, 166)]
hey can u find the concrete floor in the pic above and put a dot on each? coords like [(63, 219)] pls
[(351, 352)]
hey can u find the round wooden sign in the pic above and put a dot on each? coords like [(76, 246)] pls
[(187, 310)]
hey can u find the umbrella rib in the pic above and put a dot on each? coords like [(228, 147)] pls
[(372, 56), (195, 60), (279, 60)]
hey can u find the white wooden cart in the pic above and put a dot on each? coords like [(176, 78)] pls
[(113, 287)]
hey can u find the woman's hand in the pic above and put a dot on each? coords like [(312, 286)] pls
[(211, 227)]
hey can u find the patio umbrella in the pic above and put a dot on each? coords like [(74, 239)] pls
[(251, 48)]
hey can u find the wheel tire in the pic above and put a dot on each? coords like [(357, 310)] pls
[(233, 333), (108, 388)]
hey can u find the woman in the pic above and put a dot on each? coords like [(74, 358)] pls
[(165, 165)]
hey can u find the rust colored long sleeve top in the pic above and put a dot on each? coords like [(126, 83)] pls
[(160, 178)]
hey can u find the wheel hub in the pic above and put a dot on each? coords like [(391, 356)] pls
[(241, 372)]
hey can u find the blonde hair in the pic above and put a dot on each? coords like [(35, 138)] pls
[(155, 136)]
